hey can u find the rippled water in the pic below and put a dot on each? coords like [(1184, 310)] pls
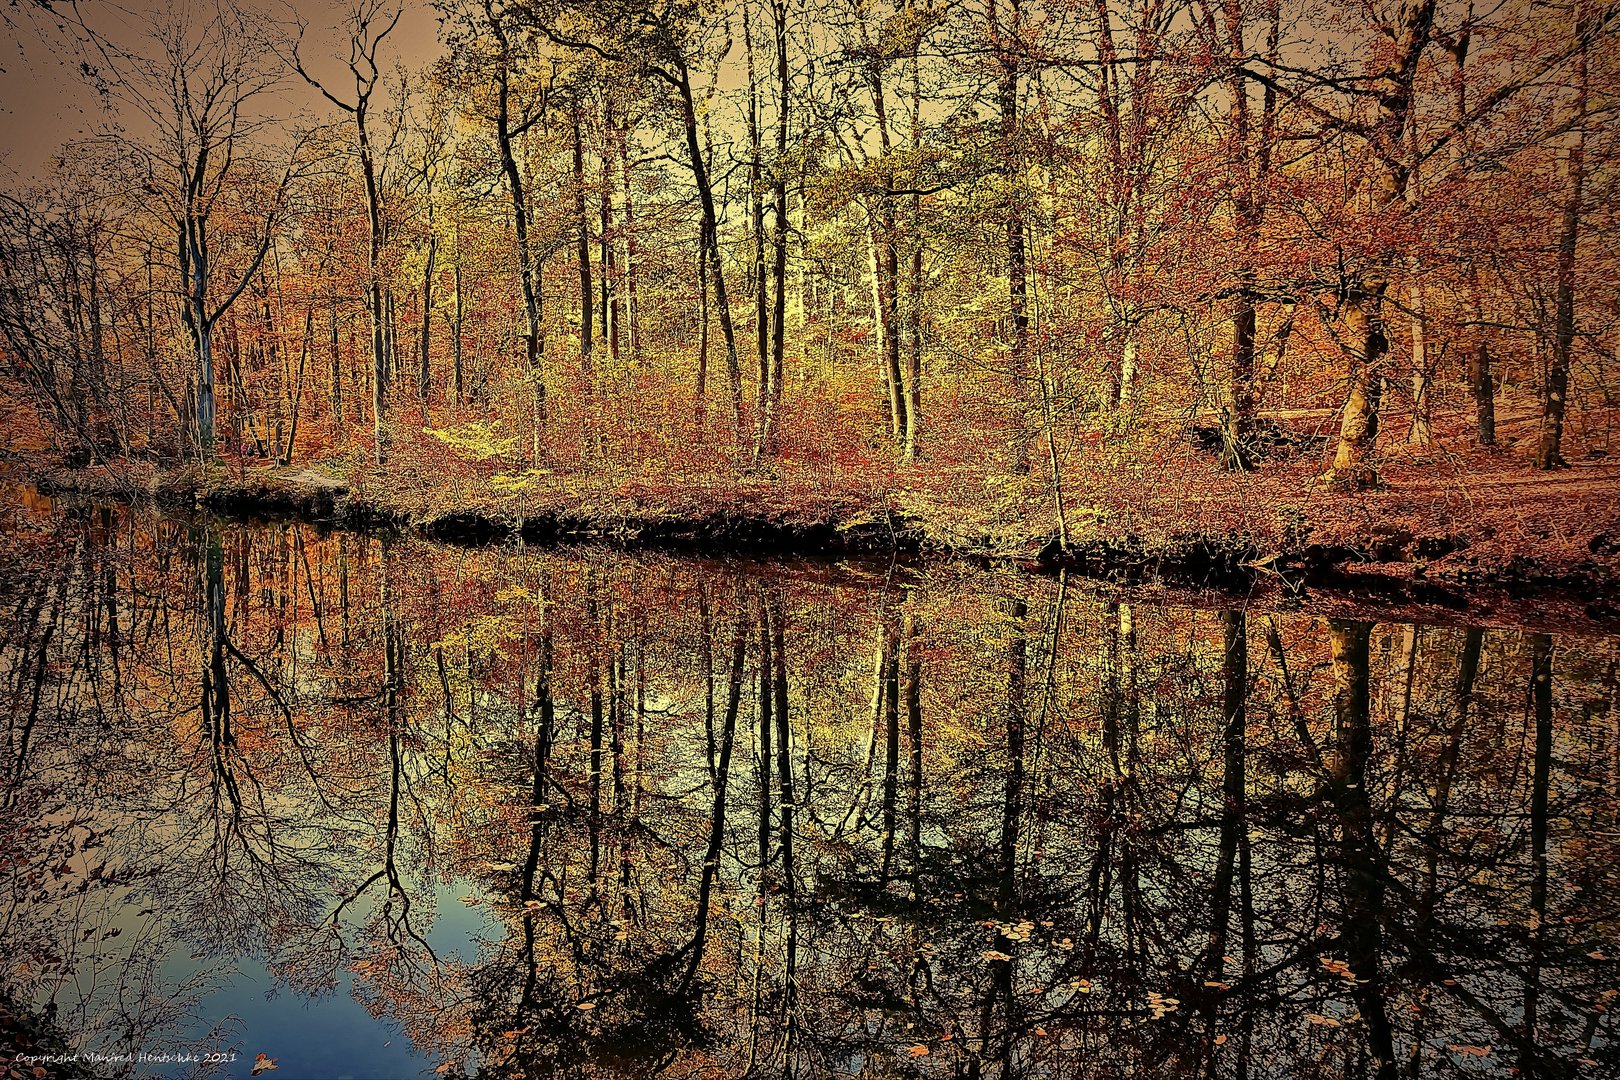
[(382, 808)]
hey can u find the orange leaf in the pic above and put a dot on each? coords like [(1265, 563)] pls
[(919, 1051)]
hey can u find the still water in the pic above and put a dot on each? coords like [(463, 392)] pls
[(380, 808)]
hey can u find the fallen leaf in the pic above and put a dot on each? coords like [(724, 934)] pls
[(1471, 1051), (919, 1051), (1220, 1040)]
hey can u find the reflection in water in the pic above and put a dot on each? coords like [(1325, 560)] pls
[(586, 813)]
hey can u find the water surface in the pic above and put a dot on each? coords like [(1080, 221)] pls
[(380, 808)]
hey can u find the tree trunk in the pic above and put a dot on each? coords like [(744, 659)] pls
[(773, 402), (605, 244), (1358, 430), (336, 372), (583, 244), (374, 298), (455, 326), (914, 297), (1480, 381), (700, 176), (424, 375), (1421, 431), (756, 239), (527, 273), (1572, 166), (1017, 284), (1366, 341), (632, 254), (703, 323), (194, 270), (298, 383)]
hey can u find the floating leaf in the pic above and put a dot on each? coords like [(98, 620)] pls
[(1471, 1051)]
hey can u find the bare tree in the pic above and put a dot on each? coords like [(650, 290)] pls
[(194, 89), (368, 23)]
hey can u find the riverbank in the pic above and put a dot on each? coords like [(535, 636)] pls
[(1490, 522)]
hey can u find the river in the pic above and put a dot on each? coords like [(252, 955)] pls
[(375, 807)]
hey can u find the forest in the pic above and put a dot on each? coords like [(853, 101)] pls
[(715, 539), (1042, 272)]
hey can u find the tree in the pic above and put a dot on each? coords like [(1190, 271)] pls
[(194, 89), (663, 44), (1572, 173), (368, 22), (1247, 146)]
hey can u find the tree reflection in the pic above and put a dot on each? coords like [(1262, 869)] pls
[(725, 821)]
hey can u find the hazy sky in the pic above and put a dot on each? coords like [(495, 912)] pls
[(44, 101)]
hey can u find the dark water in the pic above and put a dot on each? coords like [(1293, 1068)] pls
[(387, 809)]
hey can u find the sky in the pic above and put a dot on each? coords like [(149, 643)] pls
[(44, 101)]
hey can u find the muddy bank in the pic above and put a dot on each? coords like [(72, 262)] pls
[(1374, 561)]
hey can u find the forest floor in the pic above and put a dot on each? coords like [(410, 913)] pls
[(1442, 519)]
